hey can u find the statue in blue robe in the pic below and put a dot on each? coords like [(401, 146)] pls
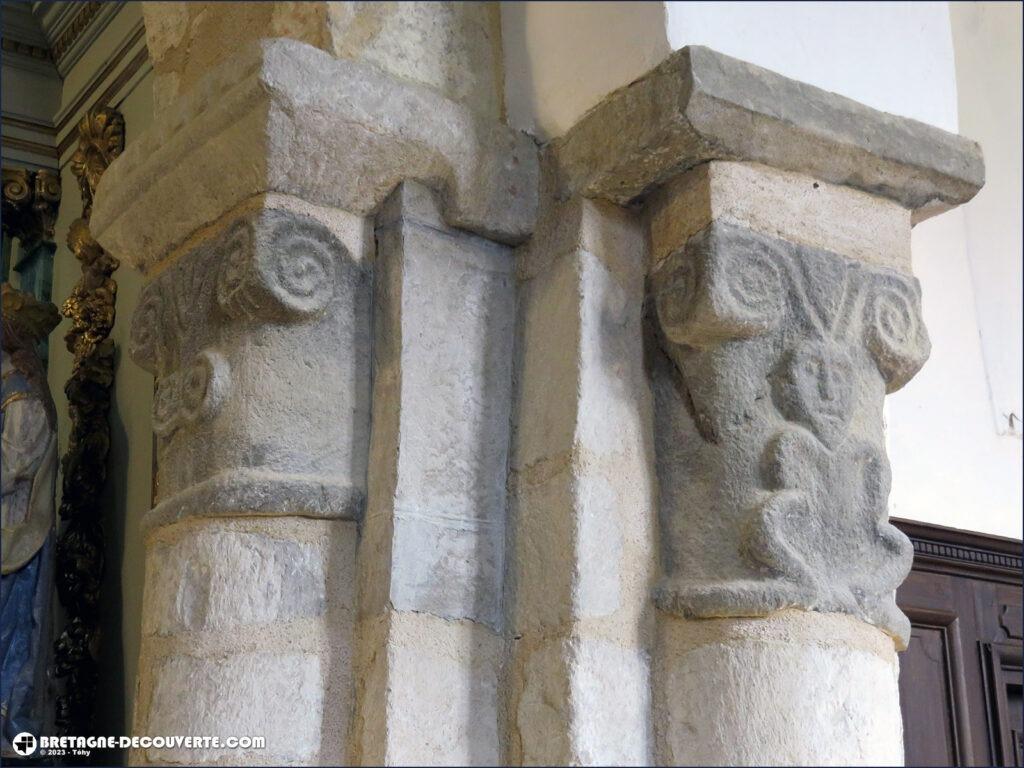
[(27, 475)]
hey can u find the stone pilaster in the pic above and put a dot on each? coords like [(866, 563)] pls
[(432, 557), (581, 537), (779, 311), (254, 206)]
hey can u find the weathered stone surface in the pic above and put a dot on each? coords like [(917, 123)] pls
[(259, 339), (225, 600), (222, 579), (612, 697), (789, 206), (584, 701), (443, 701), (700, 105), (275, 695), (795, 688), (770, 364), (428, 691), (452, 47), (444, 335), (582, 541), (285, 117)]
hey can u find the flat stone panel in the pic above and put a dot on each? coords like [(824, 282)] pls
[(449, 567), (445, 323)]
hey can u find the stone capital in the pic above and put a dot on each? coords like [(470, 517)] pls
[(780, 311), (30, 203), (770, 363), (270, 309)]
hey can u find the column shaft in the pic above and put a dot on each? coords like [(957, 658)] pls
[(258, 335)]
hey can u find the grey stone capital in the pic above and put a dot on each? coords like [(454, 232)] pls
[(769, 363), (254, 336)]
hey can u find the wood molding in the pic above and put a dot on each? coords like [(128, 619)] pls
[(81, 21), (86, 98), (1002, 667), (947, 624), (33, 147), (28, 124), (10, 45), (940, 549)]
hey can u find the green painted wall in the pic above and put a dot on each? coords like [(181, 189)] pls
[(129, 486)]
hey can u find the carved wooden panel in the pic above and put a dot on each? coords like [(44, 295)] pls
[(960, 677)]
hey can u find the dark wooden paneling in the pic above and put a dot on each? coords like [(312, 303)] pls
[(960, 677)]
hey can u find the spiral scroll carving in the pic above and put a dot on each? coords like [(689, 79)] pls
[(286, 270), (894, 332), (30, 203)]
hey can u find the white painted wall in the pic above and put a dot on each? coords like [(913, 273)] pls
[(950, 465), (896, 57), (987, 40), (562, 58)]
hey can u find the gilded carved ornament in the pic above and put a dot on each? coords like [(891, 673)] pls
[(30, 203), (80, 546)]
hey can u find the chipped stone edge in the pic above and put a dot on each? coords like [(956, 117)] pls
[(700, 105)]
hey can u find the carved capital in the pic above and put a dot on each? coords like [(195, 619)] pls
[(770, 363), (275, 267), (193, 393), (282, 270), (30, 203), (254, 335)]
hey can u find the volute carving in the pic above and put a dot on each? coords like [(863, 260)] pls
[(233, 331), (770, 362), (30, 203)]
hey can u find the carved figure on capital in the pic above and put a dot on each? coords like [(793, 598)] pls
[(772, 361)]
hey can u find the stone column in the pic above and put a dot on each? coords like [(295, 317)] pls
[(252, 207), (780, 310)]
